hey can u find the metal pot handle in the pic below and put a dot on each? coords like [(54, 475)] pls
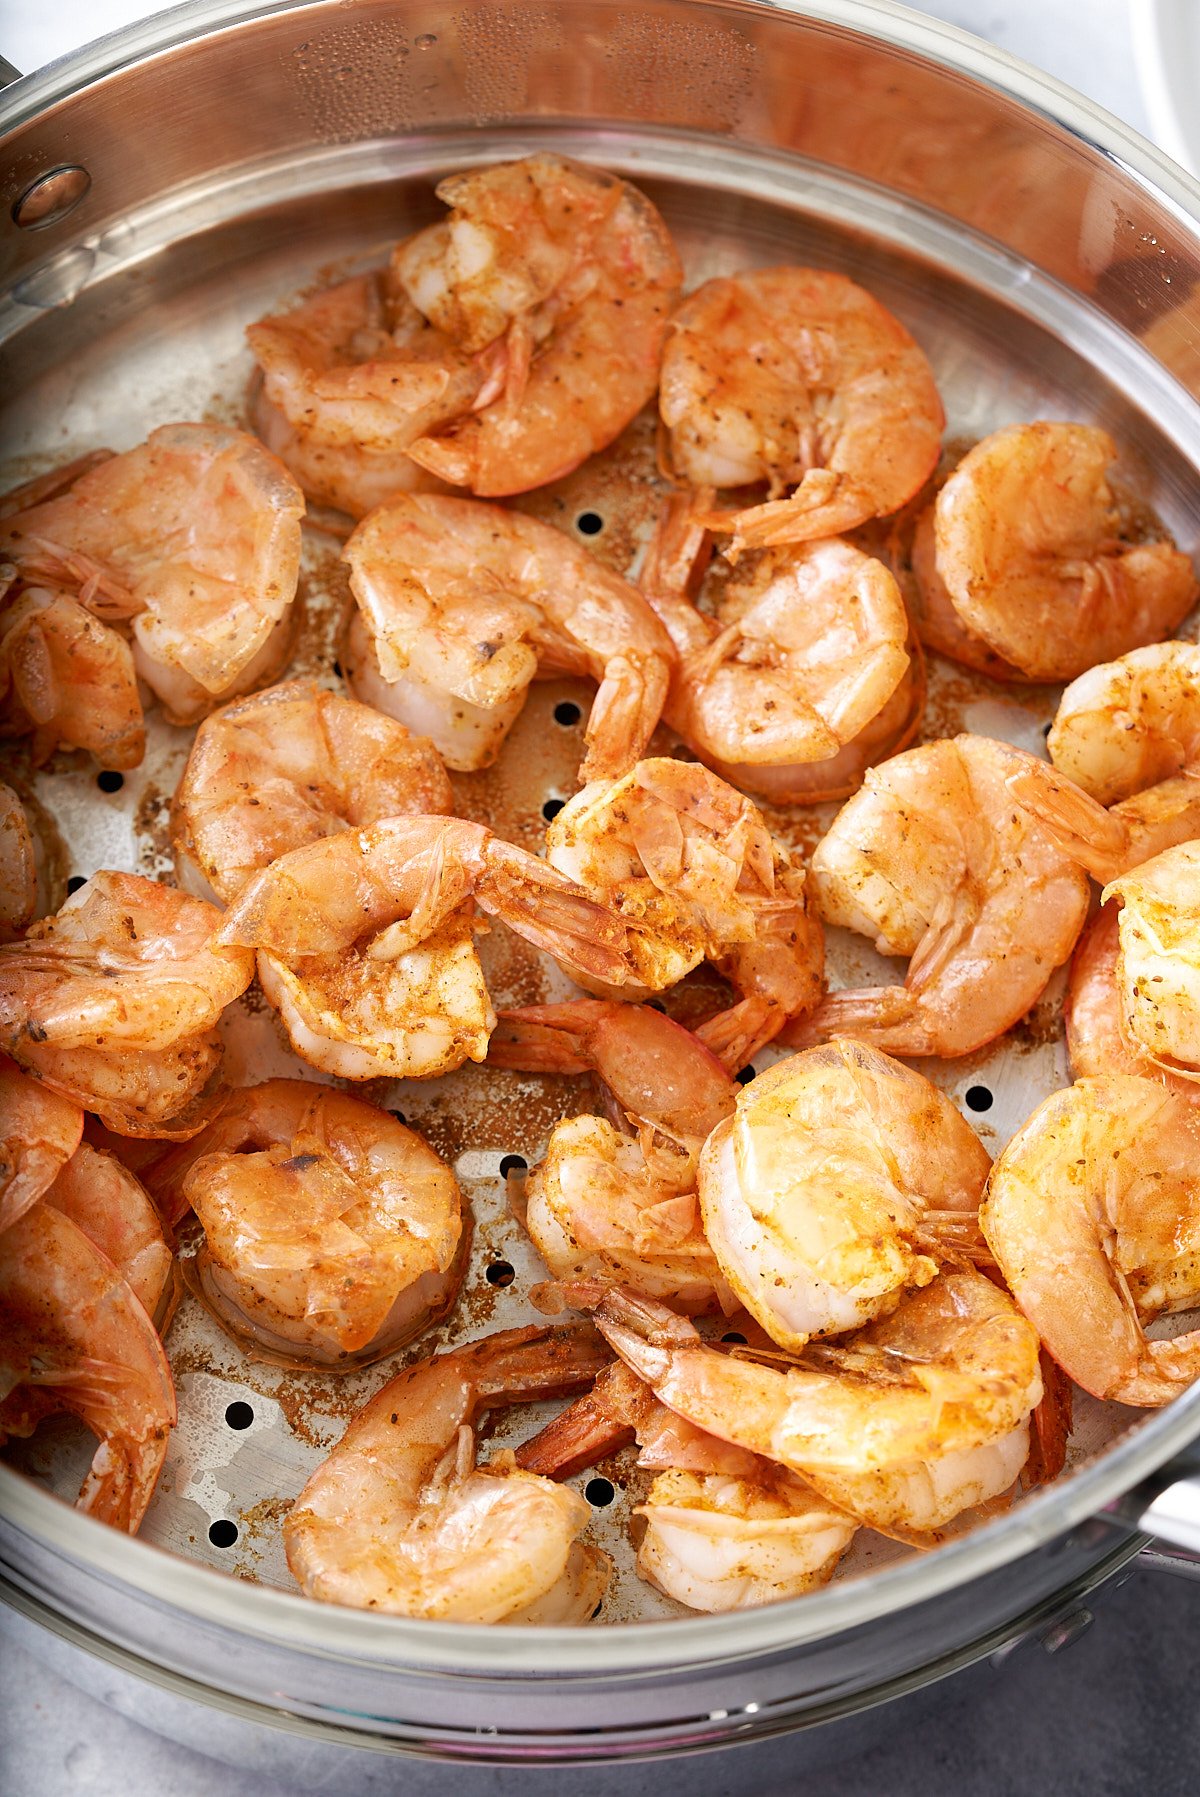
[(1166, 1506)]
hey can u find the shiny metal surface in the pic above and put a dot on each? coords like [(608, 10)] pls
[(1047, 261)]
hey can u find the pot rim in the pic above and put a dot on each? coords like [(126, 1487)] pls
[(619, 1650)]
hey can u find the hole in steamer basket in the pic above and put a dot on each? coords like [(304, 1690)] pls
[(239, 1414), (513, 1163), (566, 713), (551, 809), (501, 1272), (589, 524), (110, 780), (979, 1098), (599, 1493), (222, 1533)]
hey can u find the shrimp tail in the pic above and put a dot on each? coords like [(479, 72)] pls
[(736, 1035), (1092, 836), (627, 706), (553, 913), (121, 1479), (588, 1430), (824, 505), (886, 1017)]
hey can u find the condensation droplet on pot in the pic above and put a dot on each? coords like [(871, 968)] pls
[(426, 41)]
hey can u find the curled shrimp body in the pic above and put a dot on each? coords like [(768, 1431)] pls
[(195, 537), (1099, 1040), (400, 1519), (566, 276), (1029, 546), (68, 679), (1093, 1214), (843, 1180), (934, 616), (617, 1200), (114, 1210), (365, 943), (1158, 965), (690, 866), (919, 1416), (934, 860), (1126, 737), (350, 378), (724, 1528), (333, 1233), (797, 377), (113, 1001), (805, 655), (75, 1338), (464, 604), (287, 767), (39, 1132), (18, 866)]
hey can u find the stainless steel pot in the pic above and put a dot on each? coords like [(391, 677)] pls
[(168, 161)]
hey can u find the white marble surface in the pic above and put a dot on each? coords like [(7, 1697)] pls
[(1114, 1717)]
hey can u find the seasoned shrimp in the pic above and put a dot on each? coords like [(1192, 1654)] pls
[(1029, 546), (351, 377), (113, 1209), (400, 1519), (333, 1234), (1158, 966), (1099, 1040), (566, 276), (195, 536), (465, 603), (797, 377), (69, 680), (690, 865), (934, 616), (39, 1132), (113, 1001), (843, 1180), (918, 1417), (725, 1529), (933, 860), (1127, 737), (33, 876), (287, 767), (75, 1338), (604, 1203), (18, 866), (805, 652), (365, 944), (1093, 1214)]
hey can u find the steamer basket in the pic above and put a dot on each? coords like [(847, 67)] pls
[(1047, 261)]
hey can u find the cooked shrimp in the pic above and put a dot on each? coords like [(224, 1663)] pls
[(690, 865), (114, 1211), (39, 1132), (918, 1417), (1029, 546), (195, 535), (69, 680), (843, 1180), (804, 652), (350, 378), (604, 1203), (1093, 1213), (333, 1234), (1098, 1038), (934, 860), (287, 767), (399, 1518), (18, 866), (365, 944), (75, 1338), (934, 616), (464, 604), (567, 276), (725, 1529), (797, 377), (1106, 843), (1158, 967), (113, 1000)]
